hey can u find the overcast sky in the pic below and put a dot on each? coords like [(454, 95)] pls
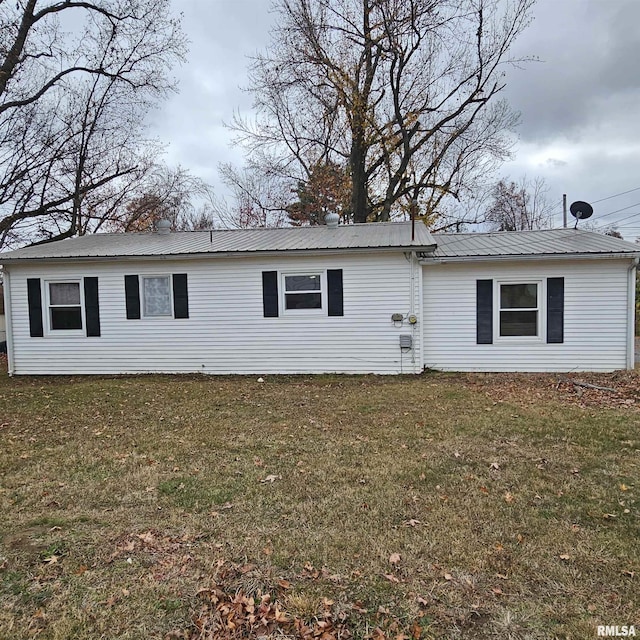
[(579, 105)]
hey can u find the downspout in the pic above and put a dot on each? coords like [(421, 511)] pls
[(421, 315), (412, 309), (631, 313), (7, 318)]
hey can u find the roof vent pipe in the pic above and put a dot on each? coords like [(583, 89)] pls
[(163, 227), (332, 219)]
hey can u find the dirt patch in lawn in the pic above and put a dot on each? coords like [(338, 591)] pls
[(620, 389)]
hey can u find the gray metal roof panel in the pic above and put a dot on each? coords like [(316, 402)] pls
[(546, 242), (363, 236)]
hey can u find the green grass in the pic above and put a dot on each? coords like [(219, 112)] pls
[(121, 498)]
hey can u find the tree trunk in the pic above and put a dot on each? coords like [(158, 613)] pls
[(359, 197)]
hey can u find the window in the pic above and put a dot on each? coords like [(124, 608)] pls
[(303, 291), (519, 309), (156, 296), (65, 307)]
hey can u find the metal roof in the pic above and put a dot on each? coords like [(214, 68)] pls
[(379, 236), (547, 242), (385, 235)]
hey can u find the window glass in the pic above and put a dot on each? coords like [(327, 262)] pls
[(303, 292), (66, 318), (519, 309), (302, 283), (303, 301), (518, 323), (65, 311), (64, 293), (157, 296), (518, 296)]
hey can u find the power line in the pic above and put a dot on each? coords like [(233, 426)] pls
[(604, 215), (615, 195), (617, 222)]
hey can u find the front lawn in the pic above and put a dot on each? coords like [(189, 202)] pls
[(439, 506)]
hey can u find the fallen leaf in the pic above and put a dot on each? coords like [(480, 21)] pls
[(411, 523), (508, 497), (394, 558), (564, 556), (496, 591), (447, 576), (271, 478), (391, 578), (495, 466), (51, 559), (147, 538), (623, 487)]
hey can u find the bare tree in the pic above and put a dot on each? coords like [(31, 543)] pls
[(76, 79), (164, 193), (326, 191), (406, 93), (259, 197), (521, 206)]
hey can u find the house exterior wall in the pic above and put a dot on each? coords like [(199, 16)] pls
[(226, 331), (595, 317)]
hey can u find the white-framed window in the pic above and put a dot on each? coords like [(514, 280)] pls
[(519, 309), (302, 291), (156, 296), (64, 305)]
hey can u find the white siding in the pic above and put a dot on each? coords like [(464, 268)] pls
[(595, 318), (226, 331)]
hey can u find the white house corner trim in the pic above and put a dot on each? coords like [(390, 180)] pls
[(631, 313), (8, 311)]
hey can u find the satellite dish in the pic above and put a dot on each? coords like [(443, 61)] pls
[(581, 210)]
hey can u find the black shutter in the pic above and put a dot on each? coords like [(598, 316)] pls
[(132, 295), (334, 288), (270, 293), (34, 296), (555, 310), (91, 307), (180, 296), (484, 311)]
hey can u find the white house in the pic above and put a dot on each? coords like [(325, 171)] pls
[(350, 299)]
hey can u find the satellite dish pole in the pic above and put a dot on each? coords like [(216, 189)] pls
[(564, 210)]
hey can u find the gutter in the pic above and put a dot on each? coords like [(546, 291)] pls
[(8, 311), (631, 313), (530, 258), (217, 254)]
